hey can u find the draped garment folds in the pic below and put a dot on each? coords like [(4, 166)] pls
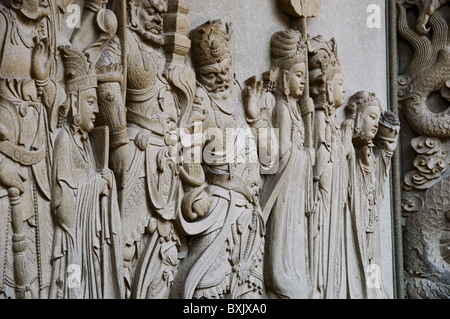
[(328, 264), (366, 194), (286, 200), (225, 251), (87, 249)]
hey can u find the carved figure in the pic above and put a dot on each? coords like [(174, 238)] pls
[(152, 184), (26, 93), (87, 245), (374, 139), (287, 195), (221, 215), (332, 146)]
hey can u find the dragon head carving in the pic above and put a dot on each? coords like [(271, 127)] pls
[(426, 9)]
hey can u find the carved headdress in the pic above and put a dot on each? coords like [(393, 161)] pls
[(209, 44), (358, 103), (287, 48), (79, 73), (323, 64)]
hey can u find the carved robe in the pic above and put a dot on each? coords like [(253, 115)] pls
[(87, 247), (287, 197), (366, 194), (24, 144), (328, 263), (225, 247)]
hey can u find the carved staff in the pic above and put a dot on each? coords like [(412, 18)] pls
[(299, 11), (120, 9), (21, 270)]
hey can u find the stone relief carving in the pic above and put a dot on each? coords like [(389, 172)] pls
[(423, 96), (134, 164), (287, 240)]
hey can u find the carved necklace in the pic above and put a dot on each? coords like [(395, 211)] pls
[(369, 188)]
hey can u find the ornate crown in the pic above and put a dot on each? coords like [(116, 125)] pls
[(323, 62), (79, 72), (209, 44)]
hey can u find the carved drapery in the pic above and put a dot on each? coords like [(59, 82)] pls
[(135, 164)]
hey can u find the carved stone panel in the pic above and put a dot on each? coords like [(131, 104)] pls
[(423, 94), (157, 149)]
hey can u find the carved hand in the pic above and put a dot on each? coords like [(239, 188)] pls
[(108, 179), (11, 176), (306, 106), (142, 139), (41, 59), (253, 96), (347, 129), (200, 207), (119, 162)]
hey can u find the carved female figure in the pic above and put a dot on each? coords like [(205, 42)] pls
[(332, 146), (87, 245), (287, 195), (374, 139)]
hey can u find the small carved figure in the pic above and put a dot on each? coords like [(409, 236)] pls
[(221, 214), (287, 195), (374, 139), (87, 245)]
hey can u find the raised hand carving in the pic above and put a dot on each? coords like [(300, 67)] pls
[(26, 226), (217, 263), (96, 114)]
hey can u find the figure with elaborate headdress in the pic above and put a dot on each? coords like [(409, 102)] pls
[(87, 244), (375, 135), (287, 195), (330, 174), (223, 157)]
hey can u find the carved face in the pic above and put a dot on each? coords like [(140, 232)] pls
[(296, 80), (149, 20), (88, 107), (369, 121), (217, 78), (34, 10), (337, 90)]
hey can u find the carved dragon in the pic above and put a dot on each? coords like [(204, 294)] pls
[(429, 70), (427, 273), (427, 193)]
